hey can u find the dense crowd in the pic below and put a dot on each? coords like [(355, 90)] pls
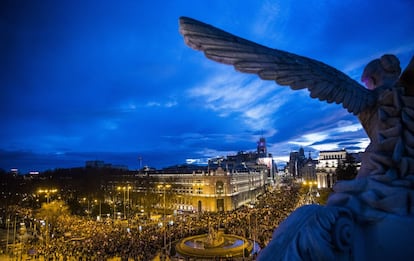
[(75, 238)]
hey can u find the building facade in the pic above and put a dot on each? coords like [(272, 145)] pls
[(323, 170), (225, 184), (328, 163), (212, 190), (302, 167)]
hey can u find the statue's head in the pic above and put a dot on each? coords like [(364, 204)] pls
[(380, 72)]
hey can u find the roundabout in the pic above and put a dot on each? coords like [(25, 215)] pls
[(215, 244)]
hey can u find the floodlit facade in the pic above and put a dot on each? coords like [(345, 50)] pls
[(213, 190), (328, 163), (323, 170), (225, 184)]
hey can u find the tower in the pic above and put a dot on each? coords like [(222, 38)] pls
[(261, 147)]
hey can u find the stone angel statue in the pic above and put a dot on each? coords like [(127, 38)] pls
[(384, 187)]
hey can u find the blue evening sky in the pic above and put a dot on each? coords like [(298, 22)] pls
[(114, 81)]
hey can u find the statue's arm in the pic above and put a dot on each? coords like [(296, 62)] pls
[(323, 82)]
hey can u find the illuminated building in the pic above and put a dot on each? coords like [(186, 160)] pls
[(328, 162), (215, 189), (225, 184)]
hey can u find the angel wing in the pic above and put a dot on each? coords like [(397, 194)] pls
[(323, 82)]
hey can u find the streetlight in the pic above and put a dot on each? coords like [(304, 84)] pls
[(125, 189), (47, 192), (7, 236), (309, 198), (129, 201), (100, 208), (164, 186), (84, 200), (113, 201)]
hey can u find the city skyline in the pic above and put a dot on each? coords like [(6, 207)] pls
[(116, 82)]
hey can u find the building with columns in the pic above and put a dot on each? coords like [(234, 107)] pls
[(328, 163), (323, 170)]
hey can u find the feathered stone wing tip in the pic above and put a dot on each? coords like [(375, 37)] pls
[(323, 82)]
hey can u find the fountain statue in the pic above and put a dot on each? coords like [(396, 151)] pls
[(214, 238), (215, 244), (372, 216)]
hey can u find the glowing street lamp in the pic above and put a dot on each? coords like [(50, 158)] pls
[(100, 207), (47, 193), (164, 187), (126, 190), (309, 197), (89, 210)]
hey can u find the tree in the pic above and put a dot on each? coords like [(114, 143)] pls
[(51, 212), (347, 170)]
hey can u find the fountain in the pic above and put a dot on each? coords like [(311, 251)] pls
[(215, 244)]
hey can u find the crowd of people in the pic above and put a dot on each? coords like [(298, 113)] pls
[(76, 238)]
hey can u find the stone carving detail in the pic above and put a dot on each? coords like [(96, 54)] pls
[(385, 181), (319, 234), (361, 213)]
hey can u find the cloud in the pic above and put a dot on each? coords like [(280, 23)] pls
[(232, 94), (322, 140), (165, 104), (354, 67), (197, 161), (347, 126), (309, 139), (271, 15)]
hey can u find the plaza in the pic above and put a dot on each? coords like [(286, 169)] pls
[(76, 237)]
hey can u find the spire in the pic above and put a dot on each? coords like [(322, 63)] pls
[(261, 147), (302, 153)]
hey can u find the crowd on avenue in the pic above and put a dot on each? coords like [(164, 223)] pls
[(80, 238)]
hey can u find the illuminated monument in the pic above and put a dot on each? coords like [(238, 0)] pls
[(215, 244), (372, 216)]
